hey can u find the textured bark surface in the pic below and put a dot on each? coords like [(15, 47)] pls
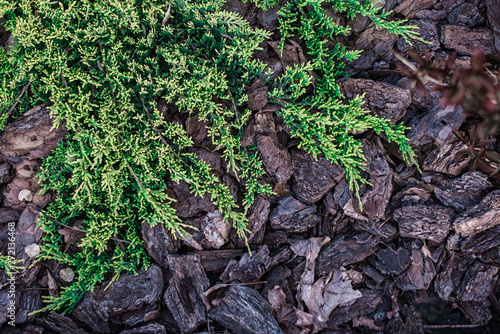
[(183, 294)]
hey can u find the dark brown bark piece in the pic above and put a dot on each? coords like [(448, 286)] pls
[(183, 294), (217, 260), (244, 311), (29, 300), (450, 276), (431, 222), (466, 14), (478, 283), (159, 242), (435, 126), (383, 99), (378, 40), (60, 324), (481, 217), (493, 13), (128, 301), (28, 233), (342, 251), (374, 198), (421, 271), (293, 216), (249, 268), (392, 261), (187, 204), (428, 31), (5, 173), (465, 41), (480, 242), (147, 329), (463, 192), (312, 179), (275, 158), (31, 135), (257, 219), (409, 7), (477, 313), (257, 96), (368, 303), (8, 215), (441, 159)]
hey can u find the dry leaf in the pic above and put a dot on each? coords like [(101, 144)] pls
[(32, 250)]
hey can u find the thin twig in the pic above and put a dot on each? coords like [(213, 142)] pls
[(167, 14), (450, 326), (25, 88)]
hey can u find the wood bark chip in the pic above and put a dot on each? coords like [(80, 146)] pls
[(293, 216), (481, 217), (244, 311), (249, 268), (125, 302), (421, 272), (344, 250), (431, 223), (60, 324), (312, 179), (183, 294)]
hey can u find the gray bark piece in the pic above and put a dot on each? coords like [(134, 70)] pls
[(312, 179), (463, 192), (478, 283), (128, 301), (341, 252), (465, 41), (293, 216), (481, 217), (183, 294), (244, 311), (159, 242), (381, 98), (424, 222)]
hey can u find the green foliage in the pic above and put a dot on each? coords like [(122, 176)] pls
[(10, 265), (102, 66), (321, 120)]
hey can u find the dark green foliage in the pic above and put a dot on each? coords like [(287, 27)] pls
[(103, 65)]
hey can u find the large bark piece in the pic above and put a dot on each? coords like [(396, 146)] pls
[(382, 99), (159, 242), (342, 251), (60, 324), (465, 41), (312, 179), (249, 268), (293, 216), (128, 301), (183, 294), (463, 192), (421, 271), (478, 283), (244, 311), (431, 222), (481, 217)]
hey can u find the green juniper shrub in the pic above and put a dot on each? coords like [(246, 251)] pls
[(102, 66)]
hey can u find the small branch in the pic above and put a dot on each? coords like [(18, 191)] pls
[(167, 14), (450, 326), (25, 88)]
